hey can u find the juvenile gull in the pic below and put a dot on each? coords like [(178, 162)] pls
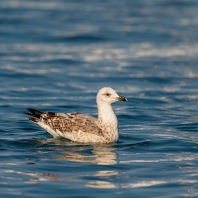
[(80, 127)]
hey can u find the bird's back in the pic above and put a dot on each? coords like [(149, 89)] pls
[(74, 126)]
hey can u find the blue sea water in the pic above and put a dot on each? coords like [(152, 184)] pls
[(56, 55)]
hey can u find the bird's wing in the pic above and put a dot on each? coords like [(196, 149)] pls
[(71, 122)]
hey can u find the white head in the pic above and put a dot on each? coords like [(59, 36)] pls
[(108, 95)]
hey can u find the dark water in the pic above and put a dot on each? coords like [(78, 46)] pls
[(55, 55)]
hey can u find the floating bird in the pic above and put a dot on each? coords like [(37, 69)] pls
[(80, 127)]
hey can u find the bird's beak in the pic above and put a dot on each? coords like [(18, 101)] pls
[(122, 98)]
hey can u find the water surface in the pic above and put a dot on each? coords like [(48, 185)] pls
[(56, 55)]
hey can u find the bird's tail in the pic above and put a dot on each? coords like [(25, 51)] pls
[(34, 115)]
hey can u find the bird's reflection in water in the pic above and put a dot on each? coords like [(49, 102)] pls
[(80, 153), (76, 152), (105, 155)]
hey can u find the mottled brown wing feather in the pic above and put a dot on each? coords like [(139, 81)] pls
[(72, 122)]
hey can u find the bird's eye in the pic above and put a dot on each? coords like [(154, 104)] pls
[(107, 94)]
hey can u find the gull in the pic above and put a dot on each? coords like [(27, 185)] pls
[(81, 127)]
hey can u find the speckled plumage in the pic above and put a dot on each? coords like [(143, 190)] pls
[(80, 127)]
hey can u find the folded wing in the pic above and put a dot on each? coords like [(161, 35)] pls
[(62, 123)]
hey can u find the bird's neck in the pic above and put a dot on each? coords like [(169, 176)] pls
[(106, 113), (106, 116)]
